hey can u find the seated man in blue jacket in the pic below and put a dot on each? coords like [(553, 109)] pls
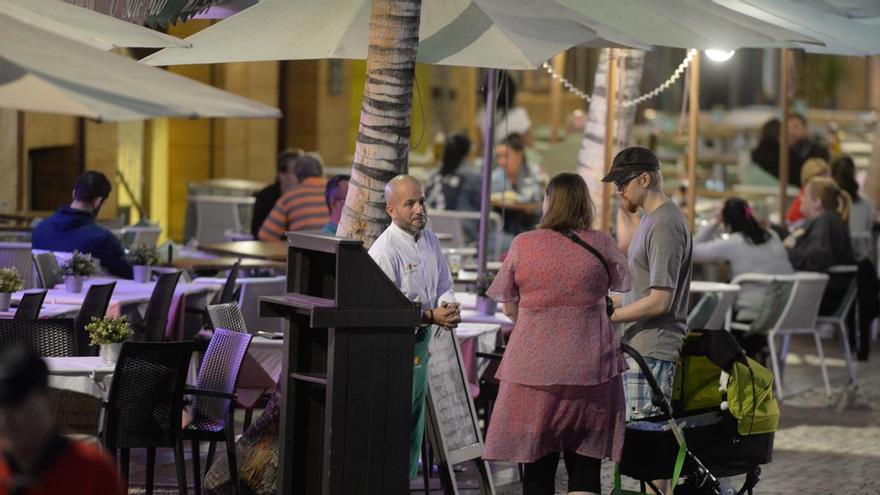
[(73, 227)]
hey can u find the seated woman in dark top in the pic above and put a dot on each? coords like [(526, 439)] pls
[(456, 185), (824, 239)]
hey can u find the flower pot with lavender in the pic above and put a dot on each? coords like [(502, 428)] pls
[(485, 305), (10, 282), (142, 258), (76, 270), (109, 333)]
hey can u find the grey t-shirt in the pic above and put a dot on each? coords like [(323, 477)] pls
[(660, 256)]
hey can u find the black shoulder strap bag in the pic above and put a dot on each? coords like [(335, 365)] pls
[(609, 304)]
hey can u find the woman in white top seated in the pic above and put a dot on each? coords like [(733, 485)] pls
[(737, 237)]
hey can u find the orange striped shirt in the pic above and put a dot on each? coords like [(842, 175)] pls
[(301, 208)]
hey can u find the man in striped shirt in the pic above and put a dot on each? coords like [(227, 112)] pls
[(303, 207)]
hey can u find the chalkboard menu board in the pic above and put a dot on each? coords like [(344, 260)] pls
[(452, 420)]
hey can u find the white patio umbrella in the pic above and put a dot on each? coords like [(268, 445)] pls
[(510, 34), (688, 24), (43, 72), (99, 30), (840, 30)]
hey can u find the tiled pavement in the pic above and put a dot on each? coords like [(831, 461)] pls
[(823, 446)]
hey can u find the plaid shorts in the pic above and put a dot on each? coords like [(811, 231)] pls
[(638, 392)]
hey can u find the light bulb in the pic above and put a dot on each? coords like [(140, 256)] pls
[(719, 55)]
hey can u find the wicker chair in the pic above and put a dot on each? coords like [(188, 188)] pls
[(213, 409), (48, 271), (145, 403), (76, 413), (226, 295), (30, 305), (227, 316), (55, 337), (95, 304), (156, 316)]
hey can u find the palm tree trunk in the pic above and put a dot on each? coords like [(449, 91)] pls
[(382, 143), (380, 154), (591, 158)]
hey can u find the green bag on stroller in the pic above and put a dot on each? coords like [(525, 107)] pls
[(709, 376)]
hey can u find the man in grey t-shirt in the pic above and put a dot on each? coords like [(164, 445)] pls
[(655, 310)]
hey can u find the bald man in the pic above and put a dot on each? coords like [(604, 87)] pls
[(411, 257)]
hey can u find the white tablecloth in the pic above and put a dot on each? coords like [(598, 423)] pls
[(49, 311), (85, 374)]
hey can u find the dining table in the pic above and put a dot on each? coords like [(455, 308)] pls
[(266, 250), (130, 298)]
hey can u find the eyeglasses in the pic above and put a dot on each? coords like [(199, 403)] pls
[(621, 185)]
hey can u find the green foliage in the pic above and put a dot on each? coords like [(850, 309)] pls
[(143, 255), (79, 264), (108, 330), (10, 281)]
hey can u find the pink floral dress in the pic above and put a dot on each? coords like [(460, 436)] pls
[(561, 373)]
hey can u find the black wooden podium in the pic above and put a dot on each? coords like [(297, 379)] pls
[(347, 375)]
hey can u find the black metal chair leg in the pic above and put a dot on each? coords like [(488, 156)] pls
[(232, 459), (248, 417), (180, 464), (209, 461), (197, 471), (151, 470), (426, 464), (123, 466)]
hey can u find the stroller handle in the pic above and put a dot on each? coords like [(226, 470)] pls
[(657, 397)]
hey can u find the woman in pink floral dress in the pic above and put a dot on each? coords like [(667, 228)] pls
[(561, 388)]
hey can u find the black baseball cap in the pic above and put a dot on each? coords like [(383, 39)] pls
[(630, 161)]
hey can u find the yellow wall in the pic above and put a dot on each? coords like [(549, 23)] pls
[(101, 152), (246, 148), (9, 160)]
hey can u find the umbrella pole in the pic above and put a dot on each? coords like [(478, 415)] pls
[(488, 148), (610, 110), (693, 115), (785, 103)]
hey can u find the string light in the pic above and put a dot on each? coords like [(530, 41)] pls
[(627, 103)]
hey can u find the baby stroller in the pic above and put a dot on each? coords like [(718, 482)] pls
[(720, 423)]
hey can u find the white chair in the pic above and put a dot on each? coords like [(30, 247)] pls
[(453, 222), (142, 235), (217, 214), (838, 319), (797, 316), (19, 256), (252, 289)]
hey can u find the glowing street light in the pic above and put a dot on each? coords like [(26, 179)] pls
[(719, 55)]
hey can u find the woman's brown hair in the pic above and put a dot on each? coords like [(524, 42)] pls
[(569, 206), (832, 197)]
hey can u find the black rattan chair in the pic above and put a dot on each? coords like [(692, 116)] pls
[(227, 316), (144, 406), (30, 305), (94, 305), (54, 337), (48, 271), (228, 294), (152, 329), (213, 417)]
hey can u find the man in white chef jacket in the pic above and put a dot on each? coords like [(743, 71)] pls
[(411, 257)]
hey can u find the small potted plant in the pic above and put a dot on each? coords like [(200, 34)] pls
[(142, 258), (485, 305), (9, 282), (109, 333), (76, 269)]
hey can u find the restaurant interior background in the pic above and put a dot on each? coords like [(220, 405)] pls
[(163, 160)]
